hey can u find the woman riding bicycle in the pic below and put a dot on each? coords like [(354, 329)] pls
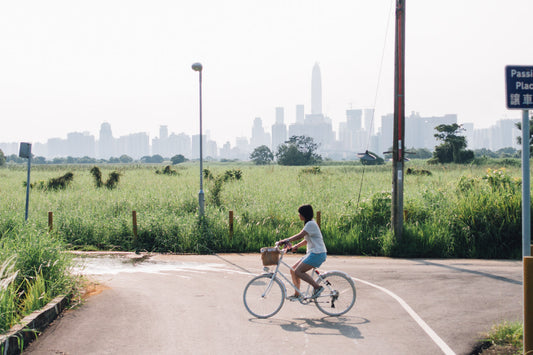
[(316, 251)]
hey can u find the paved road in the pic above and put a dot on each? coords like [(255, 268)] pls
[(193, 305)]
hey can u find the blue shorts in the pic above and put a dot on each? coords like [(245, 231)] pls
[(315, 260)]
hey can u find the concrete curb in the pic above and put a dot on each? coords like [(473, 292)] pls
[(26, 331)]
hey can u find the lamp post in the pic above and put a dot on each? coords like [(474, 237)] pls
[(198, 67)]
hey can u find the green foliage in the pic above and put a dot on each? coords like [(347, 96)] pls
[(414, 171), (420, 153), (2, 158), (311, 170), (453, 145), (454, 212), (262, 155), (298, 150), (59, 183), (154, 159), (34, 269), (177, 159), (218, 182), (110, 183), (167, 171), (507, 334)]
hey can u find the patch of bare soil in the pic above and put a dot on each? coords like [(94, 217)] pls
[(492, 349)]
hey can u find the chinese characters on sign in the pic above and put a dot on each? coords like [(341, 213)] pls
[(519, 82)]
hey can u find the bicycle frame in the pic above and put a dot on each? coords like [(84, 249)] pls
[(277, 272)]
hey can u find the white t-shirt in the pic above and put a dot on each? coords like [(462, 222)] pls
[(315, 241)]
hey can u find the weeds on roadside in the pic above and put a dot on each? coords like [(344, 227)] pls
[(508, 335), (34, 270)]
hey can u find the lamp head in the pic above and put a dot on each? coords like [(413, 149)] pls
[(197, 67)]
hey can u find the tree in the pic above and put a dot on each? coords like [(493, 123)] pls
[(2, 158), (125, 159), (176, 159), (37, 160), (298, 150), (420, 153), (154, 159), (452, 148), (262, 155)]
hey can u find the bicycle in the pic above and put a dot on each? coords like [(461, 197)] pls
[(265, 294)]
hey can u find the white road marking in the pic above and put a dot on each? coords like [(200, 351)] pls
[(425, 327)]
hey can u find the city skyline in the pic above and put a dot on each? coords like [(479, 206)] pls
[(68, 66), (344, 146)]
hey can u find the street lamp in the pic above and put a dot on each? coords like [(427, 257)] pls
[(198, 67)]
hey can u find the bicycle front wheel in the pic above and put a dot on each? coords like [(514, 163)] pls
[(264, 296), (339, 293)]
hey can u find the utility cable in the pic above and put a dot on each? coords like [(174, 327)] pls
[(376, 95)]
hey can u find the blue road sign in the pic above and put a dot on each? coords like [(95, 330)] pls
[(519, 87)]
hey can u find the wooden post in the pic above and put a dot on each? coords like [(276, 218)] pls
[(398, 143), (50, 221), (134, 217), (231, 224), (318, 218)]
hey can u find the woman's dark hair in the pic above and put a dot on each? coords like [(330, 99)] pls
[(306, 211)]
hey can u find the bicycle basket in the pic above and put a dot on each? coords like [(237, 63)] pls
[(270, 256)]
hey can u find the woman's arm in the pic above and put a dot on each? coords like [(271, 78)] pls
[(299, 245), (298, 236)]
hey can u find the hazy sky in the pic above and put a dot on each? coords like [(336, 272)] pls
[(69, 65)]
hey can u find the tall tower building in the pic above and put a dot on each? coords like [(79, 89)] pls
[(163, 132), (300, 114), (316, 91), (279, 129), (106, 142), (280, 115), (368, 117), (259, 136)]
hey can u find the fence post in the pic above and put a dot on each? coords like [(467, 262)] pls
[(318, 218), (231, 224), (134, 217), (50, 221)]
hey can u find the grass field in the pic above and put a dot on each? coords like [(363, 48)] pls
[(456, 211)]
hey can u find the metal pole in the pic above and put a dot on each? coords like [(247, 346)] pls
[(28, 188), (526, 237), (399, 126), (528, 304), (198, 67), (526, 192)]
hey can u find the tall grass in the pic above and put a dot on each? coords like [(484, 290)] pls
[(33, 270), (456, 212)]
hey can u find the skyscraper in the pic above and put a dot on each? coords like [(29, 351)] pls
[(316, 91), (300, 114), (106, 142), (279, 129)]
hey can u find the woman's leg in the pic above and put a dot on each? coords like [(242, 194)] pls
[(296, 279), (301, 273)]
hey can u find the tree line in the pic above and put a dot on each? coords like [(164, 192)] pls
[(302, 150)]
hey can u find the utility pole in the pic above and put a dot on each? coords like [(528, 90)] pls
[(398, 144)]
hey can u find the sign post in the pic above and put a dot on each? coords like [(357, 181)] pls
[(25, 152), (519, 91)]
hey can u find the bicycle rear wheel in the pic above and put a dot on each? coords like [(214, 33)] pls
[(339, 293), (263, 296)]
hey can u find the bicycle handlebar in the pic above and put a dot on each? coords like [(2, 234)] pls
[(287, 246)]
